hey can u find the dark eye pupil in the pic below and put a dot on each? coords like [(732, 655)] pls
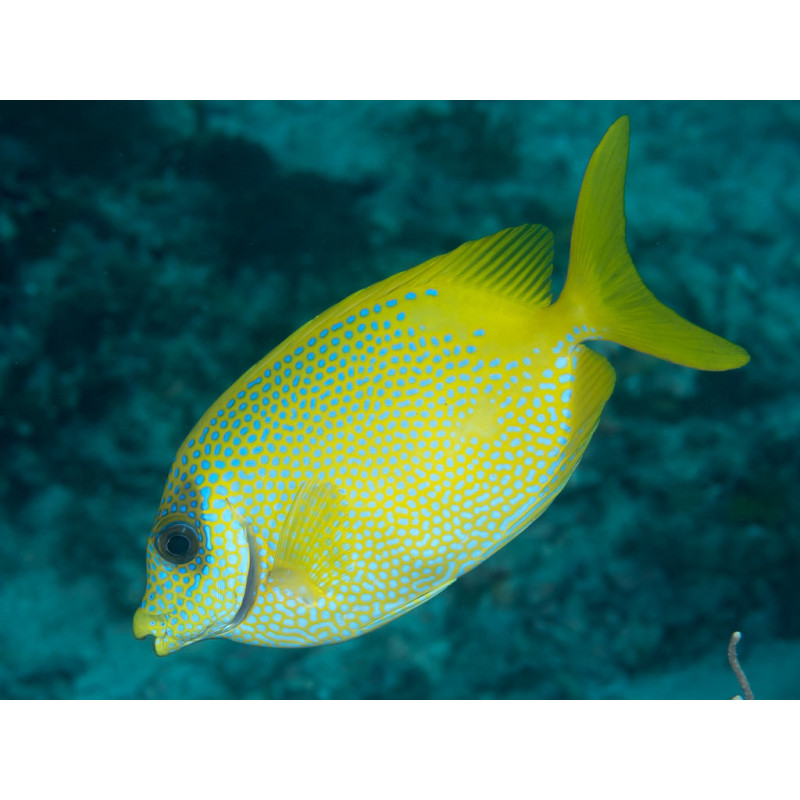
[(178, 543)]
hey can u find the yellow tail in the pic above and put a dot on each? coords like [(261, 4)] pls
[(603, 288)]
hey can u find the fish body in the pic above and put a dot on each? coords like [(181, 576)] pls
[(400, 438)]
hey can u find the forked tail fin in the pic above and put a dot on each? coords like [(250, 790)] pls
[(603, 288)]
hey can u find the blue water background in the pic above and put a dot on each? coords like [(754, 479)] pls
[(151, 252)]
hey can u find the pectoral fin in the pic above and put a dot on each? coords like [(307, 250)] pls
[(310, 551)]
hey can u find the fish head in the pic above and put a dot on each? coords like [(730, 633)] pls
[(202, 577)]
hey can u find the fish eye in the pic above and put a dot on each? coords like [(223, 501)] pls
[(178, 543)]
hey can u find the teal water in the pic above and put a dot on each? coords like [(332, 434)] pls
[(151, 252)]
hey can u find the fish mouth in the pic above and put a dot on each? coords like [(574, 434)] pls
[(148, 624), (145, 623)]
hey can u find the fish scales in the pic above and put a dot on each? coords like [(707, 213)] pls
[(397, 440)]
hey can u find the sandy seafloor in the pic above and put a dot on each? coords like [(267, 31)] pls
[(150, 253)]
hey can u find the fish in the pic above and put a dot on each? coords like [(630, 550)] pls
[(400, 438)]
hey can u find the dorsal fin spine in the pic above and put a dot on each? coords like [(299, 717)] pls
[(515, 263)]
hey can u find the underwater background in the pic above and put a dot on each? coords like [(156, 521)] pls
[(151, 252)]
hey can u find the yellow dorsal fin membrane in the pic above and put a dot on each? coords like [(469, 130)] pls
[(603, 288), (310, 546), (515, 263)]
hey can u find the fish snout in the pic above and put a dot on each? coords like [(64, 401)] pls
[(145, 623)]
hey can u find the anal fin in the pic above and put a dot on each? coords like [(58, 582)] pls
[(404, 608), (594, 382)]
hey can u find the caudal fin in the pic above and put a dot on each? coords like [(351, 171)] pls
[(603, 288)]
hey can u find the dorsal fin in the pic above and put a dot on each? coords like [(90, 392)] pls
[(309, 547), (515, 263)]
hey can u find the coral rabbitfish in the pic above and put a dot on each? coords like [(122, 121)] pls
[(400, 438)]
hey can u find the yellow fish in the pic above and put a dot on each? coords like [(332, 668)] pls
[(400, 438)]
